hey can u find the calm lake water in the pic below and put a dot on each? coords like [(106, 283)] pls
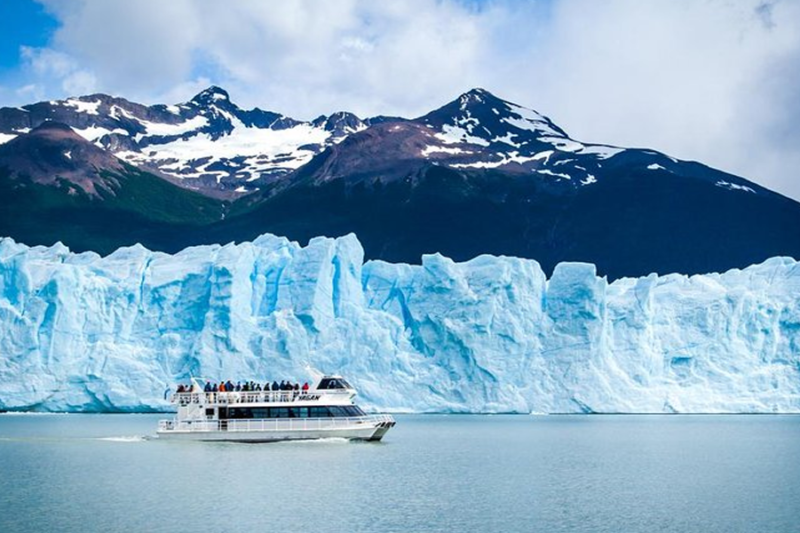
[(87, 473)]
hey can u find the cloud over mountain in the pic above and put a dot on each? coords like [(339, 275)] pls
[(711, 81)]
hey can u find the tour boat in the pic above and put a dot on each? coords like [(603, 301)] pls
[(325, 410)]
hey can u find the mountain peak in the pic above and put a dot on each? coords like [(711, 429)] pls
[(51, 127), (477, 95), (211, 94), (480, 117)]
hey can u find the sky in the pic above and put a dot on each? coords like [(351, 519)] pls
[(715, 81)]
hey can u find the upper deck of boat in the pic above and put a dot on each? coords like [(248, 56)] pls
[(315, 397)]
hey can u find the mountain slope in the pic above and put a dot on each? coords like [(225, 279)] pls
[(56, 186)]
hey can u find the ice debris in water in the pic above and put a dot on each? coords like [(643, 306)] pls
[(83, 332)]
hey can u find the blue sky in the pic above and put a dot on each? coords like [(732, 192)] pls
[(24, 22), (708, 80)]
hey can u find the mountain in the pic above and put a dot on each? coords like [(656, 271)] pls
[(478, 175), (208, 143), (481, 175), (53, 154), (79, 332), (57, 186)]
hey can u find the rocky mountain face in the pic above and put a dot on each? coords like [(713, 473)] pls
[(478, 175), (53, 154), (209, 143), (57, 186)]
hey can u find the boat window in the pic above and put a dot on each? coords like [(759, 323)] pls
[(279, 412), (210, 412), (333, 383), (338, 411), (354, 410), (319, 412), (302, 412), (259, 412)]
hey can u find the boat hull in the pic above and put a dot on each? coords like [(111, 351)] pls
[(373, 434)]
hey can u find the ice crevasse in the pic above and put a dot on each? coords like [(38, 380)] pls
[(80, 332)]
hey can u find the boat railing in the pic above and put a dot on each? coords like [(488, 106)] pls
[(241, 397), (274, 424)]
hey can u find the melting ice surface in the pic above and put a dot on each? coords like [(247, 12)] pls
[(81, 332)]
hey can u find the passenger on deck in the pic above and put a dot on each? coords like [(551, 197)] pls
[(181, 388), (275, 386), (238, 386), (305, 386), (229, 386), (222, 386), (214, 388), (208, 386)]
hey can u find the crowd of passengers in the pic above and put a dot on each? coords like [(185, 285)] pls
[(247, 386)]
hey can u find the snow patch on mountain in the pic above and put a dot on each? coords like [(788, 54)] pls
[(94, 133), (272, 149), (167, 130), (602, 151), (527, 119), (428, 150), (734, 186), (456, 134), (82, 106)]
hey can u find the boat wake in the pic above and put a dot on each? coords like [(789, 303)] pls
[(129, 438)]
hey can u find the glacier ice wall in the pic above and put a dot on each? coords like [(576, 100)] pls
[(83, 332)]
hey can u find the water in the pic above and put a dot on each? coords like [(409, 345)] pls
[(87, 473)]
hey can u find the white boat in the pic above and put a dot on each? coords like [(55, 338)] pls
[(325, 410)]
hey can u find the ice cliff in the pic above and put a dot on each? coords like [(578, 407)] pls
[(83, 332)]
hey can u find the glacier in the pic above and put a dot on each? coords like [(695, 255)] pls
[(80, 332)]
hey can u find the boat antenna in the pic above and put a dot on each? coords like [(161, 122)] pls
[(313, 372)]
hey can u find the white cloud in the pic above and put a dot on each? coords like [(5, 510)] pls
[(689, 78), (712, 80), (55, 68)]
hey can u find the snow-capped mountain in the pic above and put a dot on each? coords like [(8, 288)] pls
[(212, 145), (209, 142), (478, 175), (493, 133)]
